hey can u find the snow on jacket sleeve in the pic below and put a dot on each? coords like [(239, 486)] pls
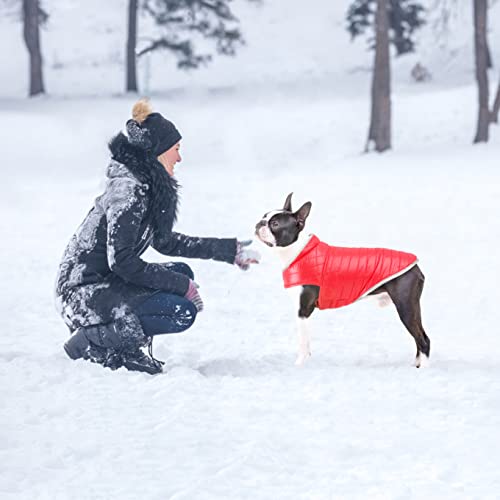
[(181, 245), (125, 210)]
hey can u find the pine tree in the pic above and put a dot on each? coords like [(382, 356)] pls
[(481, 57), (131, 83), (380, 121), (405, 17), (183, 20), (496, 106), (33, 17), (392, 22)]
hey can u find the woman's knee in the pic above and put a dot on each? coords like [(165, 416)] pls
[(188, 316), (182, 268), (181, 320), (166, 313)]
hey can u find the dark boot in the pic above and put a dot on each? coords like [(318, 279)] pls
[(114, 345), (141, 362), (97, 354), (77, 344), (134, 338), (92, 342)]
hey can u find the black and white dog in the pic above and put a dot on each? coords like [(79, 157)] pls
[(282, 230)]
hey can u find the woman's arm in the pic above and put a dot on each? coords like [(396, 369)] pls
[(125, 208), (181, 245)]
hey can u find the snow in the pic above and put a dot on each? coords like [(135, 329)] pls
[(232, 417)]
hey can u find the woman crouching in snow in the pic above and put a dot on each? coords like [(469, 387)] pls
[(112, 301)]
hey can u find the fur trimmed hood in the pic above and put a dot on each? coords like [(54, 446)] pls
[(162, 189)]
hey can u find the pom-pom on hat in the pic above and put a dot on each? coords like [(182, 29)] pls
[(151, 131)]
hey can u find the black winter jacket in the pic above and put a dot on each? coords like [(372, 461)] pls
[(101, 276)]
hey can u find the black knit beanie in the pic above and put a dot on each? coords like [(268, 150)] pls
[(151, 131)]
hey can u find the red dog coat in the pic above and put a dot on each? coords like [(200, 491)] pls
[(345, 274)]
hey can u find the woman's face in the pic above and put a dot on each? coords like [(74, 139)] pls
[(170, 157)]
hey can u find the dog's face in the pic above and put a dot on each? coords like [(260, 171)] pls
[(280, 228)]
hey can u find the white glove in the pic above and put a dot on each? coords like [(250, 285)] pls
[(245, 256)]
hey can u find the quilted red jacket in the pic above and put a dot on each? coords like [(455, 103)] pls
[(344, 275)]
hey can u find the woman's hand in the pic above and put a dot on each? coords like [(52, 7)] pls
[(193, 295), (245, 256)]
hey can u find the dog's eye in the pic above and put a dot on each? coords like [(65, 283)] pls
[(274, 224)]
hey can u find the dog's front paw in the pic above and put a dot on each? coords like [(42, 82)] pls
[(421, 361), (302, 357)]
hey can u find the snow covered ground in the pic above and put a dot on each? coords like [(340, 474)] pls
[(232, 417)]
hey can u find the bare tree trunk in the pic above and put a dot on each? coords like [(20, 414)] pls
[(131, 47), (480, 45), (31, 31), (496, 106), (380, 122), (489, 61)]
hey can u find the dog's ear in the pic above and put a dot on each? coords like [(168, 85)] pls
[(288, 203), (302, 213)]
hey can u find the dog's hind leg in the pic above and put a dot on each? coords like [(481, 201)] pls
[(405, 291), (307, 303)]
